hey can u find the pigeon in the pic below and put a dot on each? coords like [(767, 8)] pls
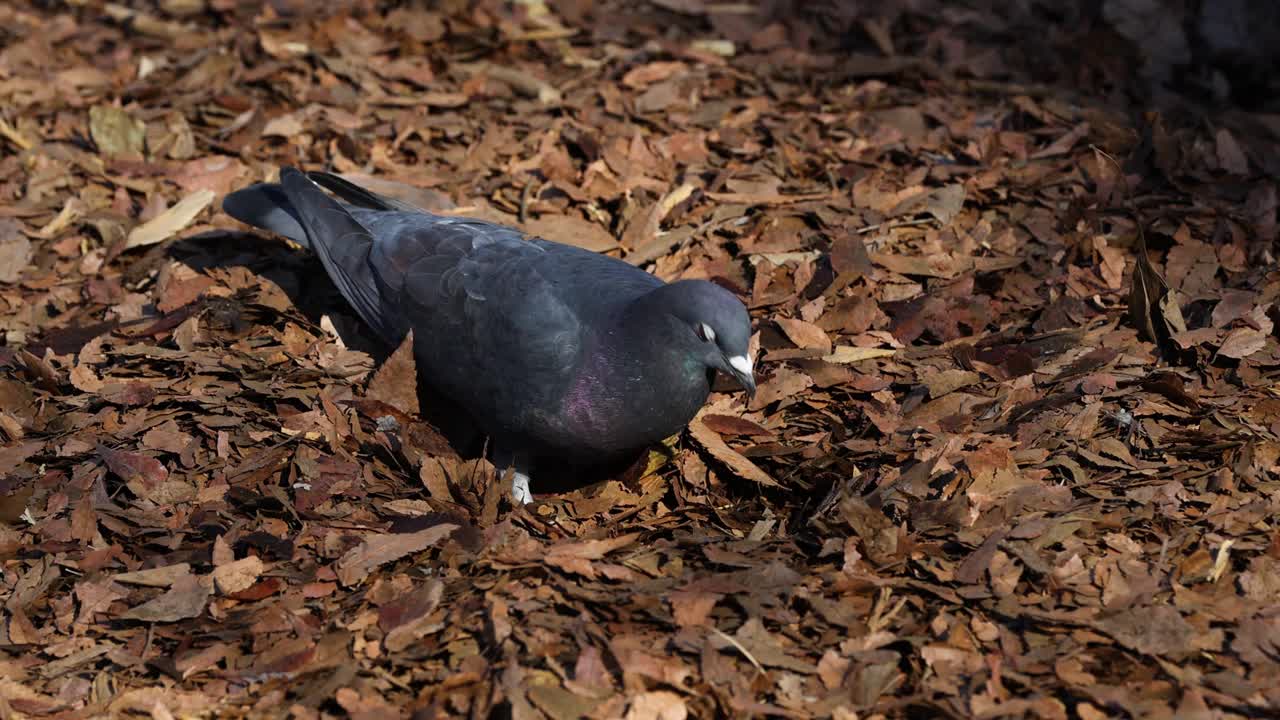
[(554, 350)]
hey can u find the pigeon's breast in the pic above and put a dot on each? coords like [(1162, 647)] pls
[(616, 407)]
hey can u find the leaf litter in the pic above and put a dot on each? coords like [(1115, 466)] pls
[(1014, 451)]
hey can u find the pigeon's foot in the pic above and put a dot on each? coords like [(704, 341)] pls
[(520, 493), (519, 464)]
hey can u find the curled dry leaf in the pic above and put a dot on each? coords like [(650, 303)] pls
[(805, 335), (737, 464)]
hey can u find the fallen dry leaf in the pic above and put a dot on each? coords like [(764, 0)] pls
[(1241, 343), (186, 598), (845, 354), (15, 251), (736, 463), (171, 221), (379, 549), (237, 575), (396, 381)]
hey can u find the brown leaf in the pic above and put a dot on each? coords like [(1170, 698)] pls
[(561, 704), (186, 598), (237, 575), (217, 174), (692, 607), (736, 463), (657, 705), (396, 382), (849, 258), (84, 379), (116, 132), (642, 76), (132, 394), (1159, 630), (171, 221), (15, 251), (367, 705), (805, 335), (948, 381), (1145, 291), (162, 576), (785, 383), (1241, 343), (84, 521), (381, 548), (435, 479), (1230, 157), (408, 619), (134, 467), (576, 557), (643, 236), (285, 126), (95, 596), (769, 649), (730, 425)]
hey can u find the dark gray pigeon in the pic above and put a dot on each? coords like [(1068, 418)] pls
[(554, 350)]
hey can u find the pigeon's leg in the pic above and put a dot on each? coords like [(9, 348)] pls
[(505, 458)]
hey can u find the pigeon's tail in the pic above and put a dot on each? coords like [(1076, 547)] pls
[(342, 244), (298, 209), (267, 206)]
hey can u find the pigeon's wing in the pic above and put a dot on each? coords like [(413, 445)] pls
[(265, 205), (343, 245), (488, 309), (356, 195)]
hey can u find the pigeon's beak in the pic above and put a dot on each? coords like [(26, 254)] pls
[(741, 369)]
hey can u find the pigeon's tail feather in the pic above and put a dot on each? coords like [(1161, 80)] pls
[(358, 196), (342, 244), (267, 206)]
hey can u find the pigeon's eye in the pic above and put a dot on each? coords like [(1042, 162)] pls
[(706, 333)]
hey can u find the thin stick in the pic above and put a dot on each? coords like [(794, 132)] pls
[(745, 653)]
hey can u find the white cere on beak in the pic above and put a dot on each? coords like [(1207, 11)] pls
[(707, 333), (742, 364)]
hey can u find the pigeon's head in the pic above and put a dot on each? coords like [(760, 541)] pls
[(718, 328)]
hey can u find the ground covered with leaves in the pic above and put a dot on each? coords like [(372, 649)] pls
[(1014, 452)]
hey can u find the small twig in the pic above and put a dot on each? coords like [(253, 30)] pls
[(11, 133), (550, 33), (1000, 88), (894, 225), (146, 647), (523, 213), (745, 653)]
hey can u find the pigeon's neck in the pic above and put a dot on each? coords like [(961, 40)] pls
[(659, 352), (649, 326)]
